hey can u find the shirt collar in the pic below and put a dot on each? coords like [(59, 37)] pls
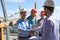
[(49, 15)]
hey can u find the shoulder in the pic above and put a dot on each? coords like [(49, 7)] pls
[(52, 18), (29, 17), (27, 20), (50, 21), (18, 21)]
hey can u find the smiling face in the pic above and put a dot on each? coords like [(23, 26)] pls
[(23, 14), (42, 15), (33, 14)]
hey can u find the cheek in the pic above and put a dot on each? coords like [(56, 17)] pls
[(46, 11), (25, 15), (34, 15)]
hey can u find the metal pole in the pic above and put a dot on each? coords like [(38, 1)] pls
[(35, 5), (5, 17)]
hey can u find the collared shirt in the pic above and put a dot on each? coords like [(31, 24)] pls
[(23, 26), (50, 28)]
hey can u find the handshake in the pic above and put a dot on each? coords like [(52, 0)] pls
[(32, 31)]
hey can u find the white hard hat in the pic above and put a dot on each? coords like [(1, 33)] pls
[(22, 10), (49, 3)]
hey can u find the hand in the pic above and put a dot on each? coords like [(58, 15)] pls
[(38, 25), (31, 31)]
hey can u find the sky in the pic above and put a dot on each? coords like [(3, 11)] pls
[(12, 7)]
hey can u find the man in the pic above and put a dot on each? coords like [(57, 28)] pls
[(23, 26), (41, 20), (50, 28), (40, 23), (32, 16)]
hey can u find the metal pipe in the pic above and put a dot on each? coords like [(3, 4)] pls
[(5, 16)]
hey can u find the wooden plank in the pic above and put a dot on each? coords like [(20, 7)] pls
[(5, 24), (1, 34), (2, 25)]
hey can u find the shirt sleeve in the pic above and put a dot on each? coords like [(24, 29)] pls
[(41, 28)]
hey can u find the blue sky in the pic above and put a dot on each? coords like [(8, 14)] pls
[(13, 5)]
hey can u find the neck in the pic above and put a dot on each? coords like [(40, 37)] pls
[(23, 18), (32, 15)]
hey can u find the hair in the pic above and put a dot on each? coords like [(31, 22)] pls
[(50, 8), (22, 12)]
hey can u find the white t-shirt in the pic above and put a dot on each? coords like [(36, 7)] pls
[(41, 21)]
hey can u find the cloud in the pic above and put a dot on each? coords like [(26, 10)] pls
[(57, 12), (15, 1), (12, 12)]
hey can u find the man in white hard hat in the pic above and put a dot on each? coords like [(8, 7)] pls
[(23, 26), (50, 28)]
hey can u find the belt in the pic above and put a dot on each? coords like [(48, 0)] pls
[(24, 37)]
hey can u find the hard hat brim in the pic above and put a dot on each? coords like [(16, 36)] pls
[(23, 11)]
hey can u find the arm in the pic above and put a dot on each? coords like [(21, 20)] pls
[(38, 26)]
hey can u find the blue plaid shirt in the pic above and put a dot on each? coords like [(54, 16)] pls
[(31, 20), (23, 26)]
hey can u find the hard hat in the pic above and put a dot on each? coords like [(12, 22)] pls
[(22, 10), (49, 3), (42, 13), (33, 11)]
